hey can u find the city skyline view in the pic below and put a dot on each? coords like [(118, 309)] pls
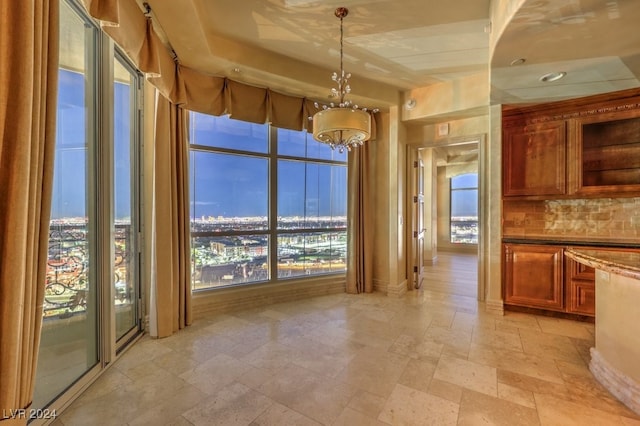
[(304, 189)]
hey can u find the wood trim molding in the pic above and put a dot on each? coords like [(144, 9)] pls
[(494, 306), (397, 290)]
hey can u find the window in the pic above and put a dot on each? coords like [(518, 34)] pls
[(266, 203), (69, 341), (94, 213), (464, 209), (126, 214)]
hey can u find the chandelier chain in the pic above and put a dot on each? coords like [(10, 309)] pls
[(345, 125), (342, 82)]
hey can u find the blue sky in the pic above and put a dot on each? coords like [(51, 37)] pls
[(226, 185), (229, 185), (71, 162), (464, 202)]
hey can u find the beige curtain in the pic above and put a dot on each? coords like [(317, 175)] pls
[(360, 224), (170, 308), (28, 87), (106, 11), (192, 89)]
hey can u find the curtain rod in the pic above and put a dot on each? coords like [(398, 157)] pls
[(148, 13)]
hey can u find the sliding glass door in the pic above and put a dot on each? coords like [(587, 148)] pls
[(126, 119), (69, 341), (92, 289)]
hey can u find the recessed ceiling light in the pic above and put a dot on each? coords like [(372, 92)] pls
[(518, 61), (552, 76)]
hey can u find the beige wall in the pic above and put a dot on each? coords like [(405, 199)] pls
[(465, 97), (460, 130), (491, 213), (617, 304), (444, 208), (486, 129), (389, 269), (400, 218)]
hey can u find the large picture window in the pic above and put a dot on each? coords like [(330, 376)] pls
[(266, 203), (464, 209)]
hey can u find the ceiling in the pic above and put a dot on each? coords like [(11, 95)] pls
[(456, 155), (392, 46)]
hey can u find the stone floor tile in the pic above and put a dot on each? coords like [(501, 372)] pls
[(467, 374), (279, 415), (235, 404), (408, 406), (554, 411), (433, 356), (516, 395)]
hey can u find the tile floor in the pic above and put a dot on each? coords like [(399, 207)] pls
[(432, 357)]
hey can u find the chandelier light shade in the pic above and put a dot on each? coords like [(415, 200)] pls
[(343, 125)]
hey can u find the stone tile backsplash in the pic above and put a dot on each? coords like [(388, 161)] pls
[(598, 219)]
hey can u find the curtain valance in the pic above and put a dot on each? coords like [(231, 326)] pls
[(192, 89)]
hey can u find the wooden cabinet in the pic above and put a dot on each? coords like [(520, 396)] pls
[(580, 288), (533, 276), (580, 148), (580, 284), (534, 159), (540, 276), (607, 152)]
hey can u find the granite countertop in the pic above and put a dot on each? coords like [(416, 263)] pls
[(617, 262)]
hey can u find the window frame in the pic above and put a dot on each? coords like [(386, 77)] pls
[(475, 188), (272, 232), (100, 54)]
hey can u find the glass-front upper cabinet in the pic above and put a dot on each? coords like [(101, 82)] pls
[(607, 149)]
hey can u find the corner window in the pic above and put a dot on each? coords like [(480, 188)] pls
[(266, 203)]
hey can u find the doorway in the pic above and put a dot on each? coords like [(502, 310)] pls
[(449, 218)]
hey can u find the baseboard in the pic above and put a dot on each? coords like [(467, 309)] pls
[(380, 286), (548, 313), (494, 306), (397, 290), (245, 297)]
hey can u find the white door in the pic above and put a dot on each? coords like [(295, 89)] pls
[(418, 222)]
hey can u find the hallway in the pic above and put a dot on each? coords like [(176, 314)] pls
[(432, 357), (453, 273)]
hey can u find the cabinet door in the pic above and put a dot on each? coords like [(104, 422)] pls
[(580, 288), (580, 283), (533, 276), (534, 159), (606, 148)]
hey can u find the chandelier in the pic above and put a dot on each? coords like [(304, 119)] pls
[(342, 125)]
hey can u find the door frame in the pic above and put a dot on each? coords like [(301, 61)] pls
[(416, 227), (483, 216)]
